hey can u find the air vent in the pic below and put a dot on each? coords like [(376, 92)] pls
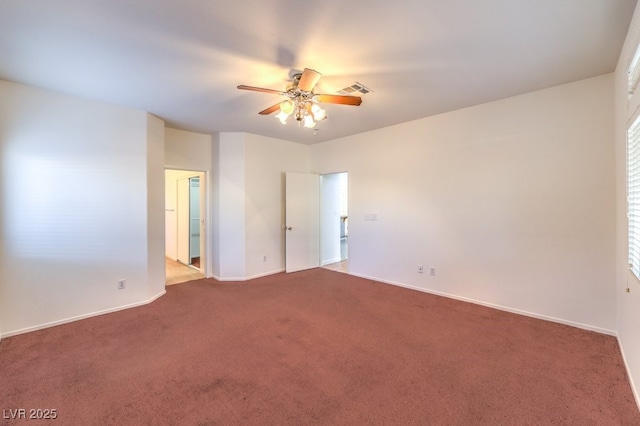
[(355, 89)]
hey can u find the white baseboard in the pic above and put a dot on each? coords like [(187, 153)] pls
[(330, 261), (634, 390), (250, 277), (80, 317), (494, 306), (264, 274)]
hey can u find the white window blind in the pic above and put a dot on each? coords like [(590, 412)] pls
[(633, 194), (633, 72)]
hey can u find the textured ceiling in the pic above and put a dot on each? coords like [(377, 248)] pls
[(182, 60)]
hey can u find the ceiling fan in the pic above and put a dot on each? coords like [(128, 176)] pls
[(301, 102)]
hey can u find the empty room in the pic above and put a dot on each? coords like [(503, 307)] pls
[(423, 212)]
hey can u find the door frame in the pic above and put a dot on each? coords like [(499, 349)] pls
[(323, 218), (205, 211)]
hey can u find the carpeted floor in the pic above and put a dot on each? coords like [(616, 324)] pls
[(315, 347), (177, 272)]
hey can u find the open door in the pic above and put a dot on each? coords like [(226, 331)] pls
[(185, 214), (194, 222), (182, 209), (302, 221)]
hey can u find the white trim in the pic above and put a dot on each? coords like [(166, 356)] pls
[(330, 261), (208, 220), (84, 316), (494, 306), (634, 390), (264, 274), (250, 277)]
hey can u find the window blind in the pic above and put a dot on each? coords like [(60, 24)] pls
[(633, 72), (633, 194)]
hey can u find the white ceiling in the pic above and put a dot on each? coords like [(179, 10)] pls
[(182, 60)]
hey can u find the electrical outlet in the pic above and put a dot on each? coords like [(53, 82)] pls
[(264, 258), (432, 271), (420, 269), (122, 284)]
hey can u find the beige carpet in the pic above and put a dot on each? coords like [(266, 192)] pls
[(179, 273)]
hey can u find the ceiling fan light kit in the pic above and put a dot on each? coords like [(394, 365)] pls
[(305, 111), (302, 102)]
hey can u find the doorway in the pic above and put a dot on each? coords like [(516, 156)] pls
[(334, 221), (188, 218), (316, 221), (185, 212)]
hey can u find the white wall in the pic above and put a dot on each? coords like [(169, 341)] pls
[(628, 320), (78, 207), (266, 161), (156, 276), (185, 150), (512, 202), (230, 234), (249, 194)]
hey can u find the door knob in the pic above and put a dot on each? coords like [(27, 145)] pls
[(288, 228)]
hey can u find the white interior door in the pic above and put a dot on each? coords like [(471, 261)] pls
[(203, 214), (194, 218), (182, 214), (302, 221)]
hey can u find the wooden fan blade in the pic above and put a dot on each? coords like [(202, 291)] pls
[(260, 89), (271, 109), (339, 99), (308, 80)]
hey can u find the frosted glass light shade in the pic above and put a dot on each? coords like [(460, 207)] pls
[(308, 121), (318, 113), (287, 106), (282, 117)]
